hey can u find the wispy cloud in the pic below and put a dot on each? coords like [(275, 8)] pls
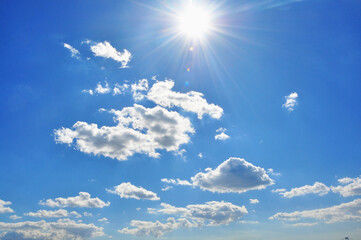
[(291, 101), (74, 52), (349, 187), (317, 188)]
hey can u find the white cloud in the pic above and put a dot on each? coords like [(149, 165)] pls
[(105, 50), (83, 200), (127, 190), (120, 89), (139, 130), (249, 222), (74, 52), (302, 224), (61, 213), (4, 209), (253, 201), (139, 88), (221, 136), (209, 214), (100, 89), (87, 214), (317, 188), (14, 217), (166, 188), (176, 182), (63, 229), (279, 190), (233, 175), (273, 173), (161, 93), (155, 229), (349, 187), (103, 220), (200, 155), (291, 101), (350, 211)]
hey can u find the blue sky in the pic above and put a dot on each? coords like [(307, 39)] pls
[(118, 123)]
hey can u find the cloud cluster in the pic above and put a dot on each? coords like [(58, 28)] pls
[(106, 89), (221, 136), (127, 190), (161, 93), (139, 130), (291, 101), (105, 50), (84, 200), (349, 187), (3, 208), (209, 214), (350, 211), (139, 88), (74, 52), (317, 188), (61, 213), (63, 229)]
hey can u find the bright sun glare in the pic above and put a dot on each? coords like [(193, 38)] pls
[(194, 22)]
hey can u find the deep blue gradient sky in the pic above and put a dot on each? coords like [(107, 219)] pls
[(264, 53)]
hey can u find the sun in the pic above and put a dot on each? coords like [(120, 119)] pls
[(194, 22)]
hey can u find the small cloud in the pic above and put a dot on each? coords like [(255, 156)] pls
[(14, 217), (317, 188), (4, 209), (253, 201), (273, 173), (200, 155), (74, 52), (221, 136), (128, 190), (291, 101), (102, 220), (249, 222), (105, 50), (83, 200)]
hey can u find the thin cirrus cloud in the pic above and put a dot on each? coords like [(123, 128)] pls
[(106, 50), (212, 213), (162, 94), (128, 190), (349, 187), (317, 188), (235, 175), (74, 52), (61, 213), (139, 130), (344, 212), (291, 101), (221, 136), (84, 200), (4, 208), (42, 230)]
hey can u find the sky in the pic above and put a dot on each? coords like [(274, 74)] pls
[(180, 119)]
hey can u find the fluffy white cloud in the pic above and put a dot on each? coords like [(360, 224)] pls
[(200, 155), (209, 214), (350, 211), (120, 89), (63, 229), (105, 50), (139, 130), (83, 200), (61, 213), (349, 187), (317, 188), (103, 220), (272, 172), (291, 101), (253, 201), (74, 52), (221, 136), (127, 190), (3, 208), (139, 88), (233, 175), (161, 93), (155, 229)]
